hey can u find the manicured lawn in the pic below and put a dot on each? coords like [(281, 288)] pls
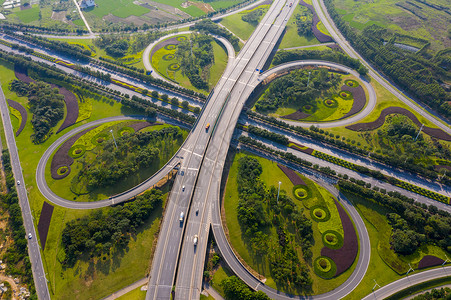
[(239, 27), (271, 175), (291, 37), (191, 10), (219, 275), (136, 294), (28, 15)]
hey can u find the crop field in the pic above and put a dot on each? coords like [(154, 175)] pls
[(118, 8), (239, 27), (417, 19), (317, 205), (28, 15)]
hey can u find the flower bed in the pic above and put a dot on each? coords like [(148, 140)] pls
[(346, 95), (320, 213), (163, 44), (170, 47), (301, 148), (77, 151), (345, 256), (174, 67), (332, 103), (125, 130), (434, 132), (62, 158), (21, 74), (23, 114), (44, 222), (141, 125), (321, 37), (324, 267), (298, 115), (358, 93), (99, 138), (168, 56), (332, 239), (71, 108), (309, 109), (430, 261), (294, 178), (352, 83)]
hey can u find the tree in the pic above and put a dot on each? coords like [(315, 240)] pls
[(175, 101), (185, 104)]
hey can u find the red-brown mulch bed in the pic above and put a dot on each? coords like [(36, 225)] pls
[(294, 178), (434, 132), (71, 106), (321, 37), (44, 222), (439, 167), (430, 261), (21, 74), (141, 125), (62, 158), (23, 113), (170, 41), (358, 94), (299, 147), (298, 115), (345, 256)]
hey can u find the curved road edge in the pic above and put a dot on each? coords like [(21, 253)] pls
[(369, 106), (245, 275)]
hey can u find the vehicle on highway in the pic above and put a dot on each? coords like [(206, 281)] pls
[(197, 212), (195, 240), (182, 215), (29, 236), (18, 182), (207, 127), (291, 4), (183, 188)]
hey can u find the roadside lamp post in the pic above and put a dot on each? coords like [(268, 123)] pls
[(113, 138), (308, 81), (278, 191)]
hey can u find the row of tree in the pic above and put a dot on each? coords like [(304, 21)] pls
[(258, 210), (208, 26), (278, 138), (415, 73), (103, 231), (412, 223), (299, 88), (45, 103), (16, 256)]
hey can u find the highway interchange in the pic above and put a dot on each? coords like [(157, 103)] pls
[(196, 187)]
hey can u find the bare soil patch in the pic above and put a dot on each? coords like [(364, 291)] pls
[(344, 256), (44, 222), (23, 114), (434, 132), (298, 115), (430, 261), (359, 99), (71, 106), (294, 178), (141, 125), (22, 74), (171, 41)]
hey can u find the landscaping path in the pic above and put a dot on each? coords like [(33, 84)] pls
[(371, 103), (146, 53), (127, 289), (308, 46), (212, 292)]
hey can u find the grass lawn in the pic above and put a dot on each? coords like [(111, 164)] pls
[(239, 27), (162, 66), (118, 8), (69, 283), (191, 10), (381, 256), (28, 15), (291, 38), (270, 176), (219, 275), (136, 294)]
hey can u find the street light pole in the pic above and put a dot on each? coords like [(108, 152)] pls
[(113, 138), (278, 191), (308, 81)]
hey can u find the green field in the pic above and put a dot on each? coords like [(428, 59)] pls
[(291, 37), (239, 27), (118, 8), (78, 282), (386, 13), (271, 176), (162, 66), (28, 15), (136, 294)]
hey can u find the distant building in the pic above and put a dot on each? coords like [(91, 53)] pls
[(86, 4)]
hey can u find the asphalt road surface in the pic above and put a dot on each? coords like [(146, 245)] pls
[(33, 246)]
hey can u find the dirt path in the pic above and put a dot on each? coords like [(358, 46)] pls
[(12, 283)]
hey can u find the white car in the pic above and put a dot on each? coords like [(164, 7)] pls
[(195, 240), (18, 182), (30, 236), (183, 188), (182, 215)]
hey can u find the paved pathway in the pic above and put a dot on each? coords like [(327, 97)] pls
[(127, 289), (91, 34), (307, 46)]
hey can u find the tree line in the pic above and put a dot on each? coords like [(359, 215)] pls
[(16, 256), (45, 103), (259, 209), (208, 26), (413, 223), (415, 73), (105, 231)]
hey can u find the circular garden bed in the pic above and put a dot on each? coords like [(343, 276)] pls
[(332, 239), (324, 267), (170, 47), (309, 109), (77, 151), (181, 38), (301, 192), (125, 130), (100, 138), (351, 83), (346, 95), (174, 67), (168, 57), (320, 213), (332, 103)]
